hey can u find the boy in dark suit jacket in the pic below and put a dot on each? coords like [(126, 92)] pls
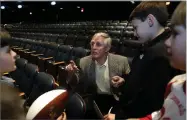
[(144, 89)]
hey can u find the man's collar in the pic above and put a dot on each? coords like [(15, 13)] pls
[(105, 64)]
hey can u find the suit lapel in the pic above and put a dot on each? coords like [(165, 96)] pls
[(111, 66), (91, 71)]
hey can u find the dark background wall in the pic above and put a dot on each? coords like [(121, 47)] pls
[(43, 12)]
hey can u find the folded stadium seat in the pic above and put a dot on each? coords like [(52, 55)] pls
[(70, 40), (24, 35), (44, 83), (30, 36), (77, 53), (20, 47), (129, 28), (75, 107), (40, 52), (114, 34), (40, 36), (90, 33), (26, 81), (128, 52), (56, 30), (130, 48), (115, 45), (14, 42), (74, 31), (80, 31), (16, 75), (129, 34), (27, 46), (34, 47), (119, 27), (53, 38), (61, 58), (70, 31), (46, 38), (108, 28), (135, 44), (114, 24), (49, 54), (82, 41), (61, 39), (31, 71), (63, 30), (116, 21), (36, 36), (99, 28), (81, 27)]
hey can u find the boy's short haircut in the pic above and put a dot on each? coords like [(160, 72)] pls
[(158, 9), (179, 15)]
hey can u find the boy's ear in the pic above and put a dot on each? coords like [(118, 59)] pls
[(150, 20)]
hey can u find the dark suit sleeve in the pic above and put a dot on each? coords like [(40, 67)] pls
[(76, 81), (159, 75), (84, 85), (152, 83), (80, 87)]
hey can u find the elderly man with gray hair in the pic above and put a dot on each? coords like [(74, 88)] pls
[(100, 72)]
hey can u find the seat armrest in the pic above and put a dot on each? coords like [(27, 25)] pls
[(59, 63), (36, 54), (18, 48), (30, 52), (48, 58)]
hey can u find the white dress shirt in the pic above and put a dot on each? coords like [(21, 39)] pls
[(102, 78)]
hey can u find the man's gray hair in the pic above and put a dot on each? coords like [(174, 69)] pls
[(107, 41)]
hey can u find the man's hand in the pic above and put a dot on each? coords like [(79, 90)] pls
[(72, 67), (109, 117), (62, 116), (117, 81)]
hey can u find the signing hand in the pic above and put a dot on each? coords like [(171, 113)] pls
[(72, 67), (109, 117), (62, 117), (117, 81)]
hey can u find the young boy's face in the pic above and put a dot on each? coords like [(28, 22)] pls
[(7, 59), (176, 47), (142, 30)]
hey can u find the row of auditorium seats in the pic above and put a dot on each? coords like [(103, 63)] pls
[(34, 83), (52, 58), (49, 57), (84, 28), (30, 81), (51, 52), (114, 29), (83, 23), (122, 47), (76, 33)]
